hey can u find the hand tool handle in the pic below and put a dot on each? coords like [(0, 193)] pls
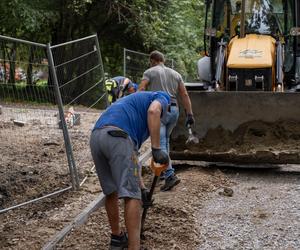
[(157, 169), (150, 198)]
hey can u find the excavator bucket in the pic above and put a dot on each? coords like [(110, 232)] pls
[(241, 127)]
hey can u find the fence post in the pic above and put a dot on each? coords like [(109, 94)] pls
[(102, 69), (124, 62), (68, 145)]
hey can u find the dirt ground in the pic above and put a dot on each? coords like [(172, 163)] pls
[(33, 163), (197, 214), (262, 211), (170, 224), (33, 156)]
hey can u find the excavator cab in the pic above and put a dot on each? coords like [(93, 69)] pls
[(252, 45), (251, 66)]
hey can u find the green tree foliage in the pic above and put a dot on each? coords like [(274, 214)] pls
[(173, 26), (27, 19)]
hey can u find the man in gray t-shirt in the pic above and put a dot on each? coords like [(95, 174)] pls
[(162, 78)]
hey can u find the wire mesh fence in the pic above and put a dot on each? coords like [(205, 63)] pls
[(46, 94), (135, 63), (79, 72), (31, 145)]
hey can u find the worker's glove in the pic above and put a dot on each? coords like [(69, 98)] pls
[(121, 87), (189, 120), (160, 156), (146, 199)]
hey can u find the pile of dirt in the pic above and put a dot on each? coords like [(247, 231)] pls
[(170, 224), (278, 142)]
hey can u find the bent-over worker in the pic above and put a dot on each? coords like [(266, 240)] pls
[(115, 140)]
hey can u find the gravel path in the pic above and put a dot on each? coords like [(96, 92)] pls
[(262, 213)]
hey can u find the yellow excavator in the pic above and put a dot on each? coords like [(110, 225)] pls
[(247, 103)]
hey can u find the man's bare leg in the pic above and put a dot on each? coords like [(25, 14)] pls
[(133, 222), (112, 210)]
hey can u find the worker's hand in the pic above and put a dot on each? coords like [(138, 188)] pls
[(121, 87), (189, 120), (146, 199), (160, 156)]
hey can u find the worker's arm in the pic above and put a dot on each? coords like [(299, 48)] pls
[(186, 104), (154, 114), (125, 82), (123, 87), (185, 98), (143, 85)]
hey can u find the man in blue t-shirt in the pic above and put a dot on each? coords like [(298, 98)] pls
[(118, 87), (115, 140)]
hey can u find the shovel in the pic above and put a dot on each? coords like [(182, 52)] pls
[(191, 139), (156, 169)]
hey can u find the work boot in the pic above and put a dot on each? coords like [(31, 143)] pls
[(170, 182), (119, 242)]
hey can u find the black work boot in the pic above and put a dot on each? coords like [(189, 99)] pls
[(119, 242), (170, 182)]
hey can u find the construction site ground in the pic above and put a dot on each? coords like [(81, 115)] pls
[(212, 208)]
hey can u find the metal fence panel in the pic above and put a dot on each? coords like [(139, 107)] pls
[(48, 100), (33, 161), (79, 70)]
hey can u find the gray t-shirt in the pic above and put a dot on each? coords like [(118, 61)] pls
[(162, 78)]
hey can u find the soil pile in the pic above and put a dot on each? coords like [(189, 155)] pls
[(276, 142)]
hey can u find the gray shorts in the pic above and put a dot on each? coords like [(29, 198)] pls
[(116, 163)]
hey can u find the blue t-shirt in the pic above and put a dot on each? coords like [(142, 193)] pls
[(130, 114)]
